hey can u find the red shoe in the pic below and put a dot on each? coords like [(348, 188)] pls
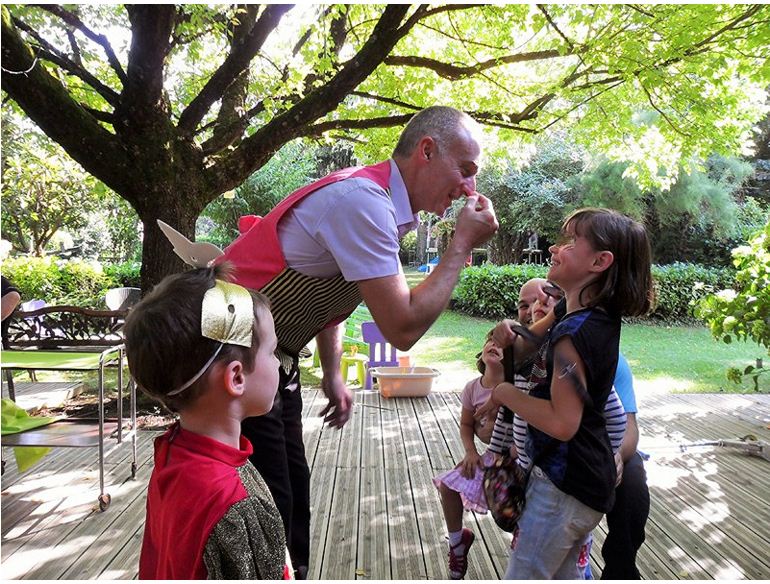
[(458, 561)]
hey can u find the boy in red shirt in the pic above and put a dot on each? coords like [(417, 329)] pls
[(205, 348)]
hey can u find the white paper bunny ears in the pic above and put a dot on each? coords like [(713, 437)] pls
[(227, 311), (195, 254)]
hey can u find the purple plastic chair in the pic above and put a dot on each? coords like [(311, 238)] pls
[(381, 352)]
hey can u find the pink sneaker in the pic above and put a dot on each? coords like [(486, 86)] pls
[(458, 560)]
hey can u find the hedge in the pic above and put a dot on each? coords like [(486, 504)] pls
[(74, 282), (492, 291), (487, 291)]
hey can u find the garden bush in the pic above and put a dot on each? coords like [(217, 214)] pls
[(680, 286), (492, 291), (72, 282), (126, 274)]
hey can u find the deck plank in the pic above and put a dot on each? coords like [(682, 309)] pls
[(377, 515), (373, 553), (322, 487)]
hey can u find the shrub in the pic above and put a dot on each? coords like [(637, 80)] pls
[(492, 291), (126, 274), (679, 286), (73, 282), (408, 247), (742, 310)]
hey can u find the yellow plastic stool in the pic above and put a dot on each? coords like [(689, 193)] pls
[(360, 362)]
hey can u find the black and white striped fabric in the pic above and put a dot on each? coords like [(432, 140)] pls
[(303, 305)]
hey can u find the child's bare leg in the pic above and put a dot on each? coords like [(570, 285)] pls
[(453, 508)]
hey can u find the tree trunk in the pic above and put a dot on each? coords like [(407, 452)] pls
[(157, 260), (505, 248)]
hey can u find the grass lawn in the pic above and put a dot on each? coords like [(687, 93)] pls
[(664, 359)]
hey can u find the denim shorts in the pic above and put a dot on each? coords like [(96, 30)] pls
[(551, 531)]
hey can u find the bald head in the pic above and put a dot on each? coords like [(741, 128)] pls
[(527, 295), (443, 124)]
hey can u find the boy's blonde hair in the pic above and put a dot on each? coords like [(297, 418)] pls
[(164, 344)]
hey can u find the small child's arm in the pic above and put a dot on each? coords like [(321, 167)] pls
[(525, 340), (472, 459), (502, 434)]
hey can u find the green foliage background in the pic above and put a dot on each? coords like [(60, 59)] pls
[(742, 311), (492, 291), (68, 282)]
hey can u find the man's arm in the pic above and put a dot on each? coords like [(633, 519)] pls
[(338, 410), (9, 302), (403, 315), (630, 438)]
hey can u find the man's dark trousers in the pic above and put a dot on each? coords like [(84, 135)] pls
[(279, 456), (625, 523)]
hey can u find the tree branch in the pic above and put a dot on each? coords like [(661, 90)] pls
[(151, 27), (639, 9), (99, 114), (50, 53), (389, 100), (730, 25), (100, 39), (578, 106), (231, 120), (456, 72), (45, 100), (236, 165), (550, 20), (238, 60), (76, 56), (662, 113), (312, 130)]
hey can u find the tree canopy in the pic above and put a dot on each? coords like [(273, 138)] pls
[(172, 105)]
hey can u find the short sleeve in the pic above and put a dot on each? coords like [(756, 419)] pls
[(615, 419), (466, 397), (238, 549), (359, 230), (624, 385)]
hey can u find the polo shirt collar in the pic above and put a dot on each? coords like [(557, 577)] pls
[(405, 219)]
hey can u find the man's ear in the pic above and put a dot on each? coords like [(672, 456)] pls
[(426, 148), (602, 261), (233, 378)]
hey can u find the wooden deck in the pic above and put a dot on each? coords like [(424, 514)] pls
[(376, 514), (36, 395)]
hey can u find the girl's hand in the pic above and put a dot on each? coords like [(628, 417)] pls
[(488, 409), (469, 464), (503, 334), (514, 453)]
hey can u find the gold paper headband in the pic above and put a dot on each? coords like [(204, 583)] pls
[(227, 316)]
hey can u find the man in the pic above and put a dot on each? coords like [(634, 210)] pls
[(10, 300), (530, 291), (627, 518), (330, 245)]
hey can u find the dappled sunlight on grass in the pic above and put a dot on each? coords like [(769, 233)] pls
[(662, 385)]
